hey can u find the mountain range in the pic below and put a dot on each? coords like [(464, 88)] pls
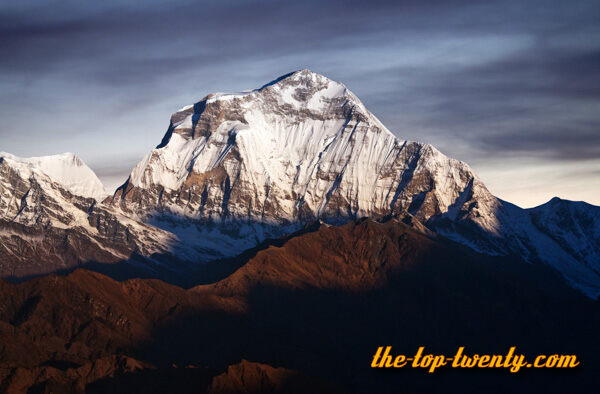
[(271, 242), (235, 171)]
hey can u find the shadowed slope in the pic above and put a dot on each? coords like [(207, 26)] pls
[(319, 303)]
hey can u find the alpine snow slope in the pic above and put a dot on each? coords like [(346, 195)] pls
[(234, 169), (51, 218)]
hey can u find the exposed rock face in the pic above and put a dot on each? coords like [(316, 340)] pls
[(49, 379), (300, 148), (249, 377), (44, 227)]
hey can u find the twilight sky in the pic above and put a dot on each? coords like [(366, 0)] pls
[(511, 87)]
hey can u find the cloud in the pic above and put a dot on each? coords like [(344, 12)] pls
[(480, 80), (536, 101)]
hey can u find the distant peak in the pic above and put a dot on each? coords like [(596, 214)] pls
[(66, 157), (558, 200), (306, 72), (303, 79), (67, 169), (299, 96), (305, 76), (552, 203)]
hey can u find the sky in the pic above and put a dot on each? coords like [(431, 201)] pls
[(510, 87)]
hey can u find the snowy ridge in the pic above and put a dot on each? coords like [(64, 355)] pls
[(50, 220), (66, 169), (573, 228)]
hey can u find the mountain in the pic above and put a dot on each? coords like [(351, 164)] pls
[(234, 169), (66, 169), (63, 333), (562, 234), (575, 227), (51, 218), (316, 306), (249, 377)]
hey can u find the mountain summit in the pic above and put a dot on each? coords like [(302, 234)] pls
[(300, 148), (66, 169)]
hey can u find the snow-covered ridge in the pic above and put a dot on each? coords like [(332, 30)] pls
[(66, 169), (51, 218), (328, 89)]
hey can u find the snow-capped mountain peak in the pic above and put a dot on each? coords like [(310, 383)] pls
[(52, 217), (234, 169), (299, 148), (66, 169), (297, 95), (284, 119)]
